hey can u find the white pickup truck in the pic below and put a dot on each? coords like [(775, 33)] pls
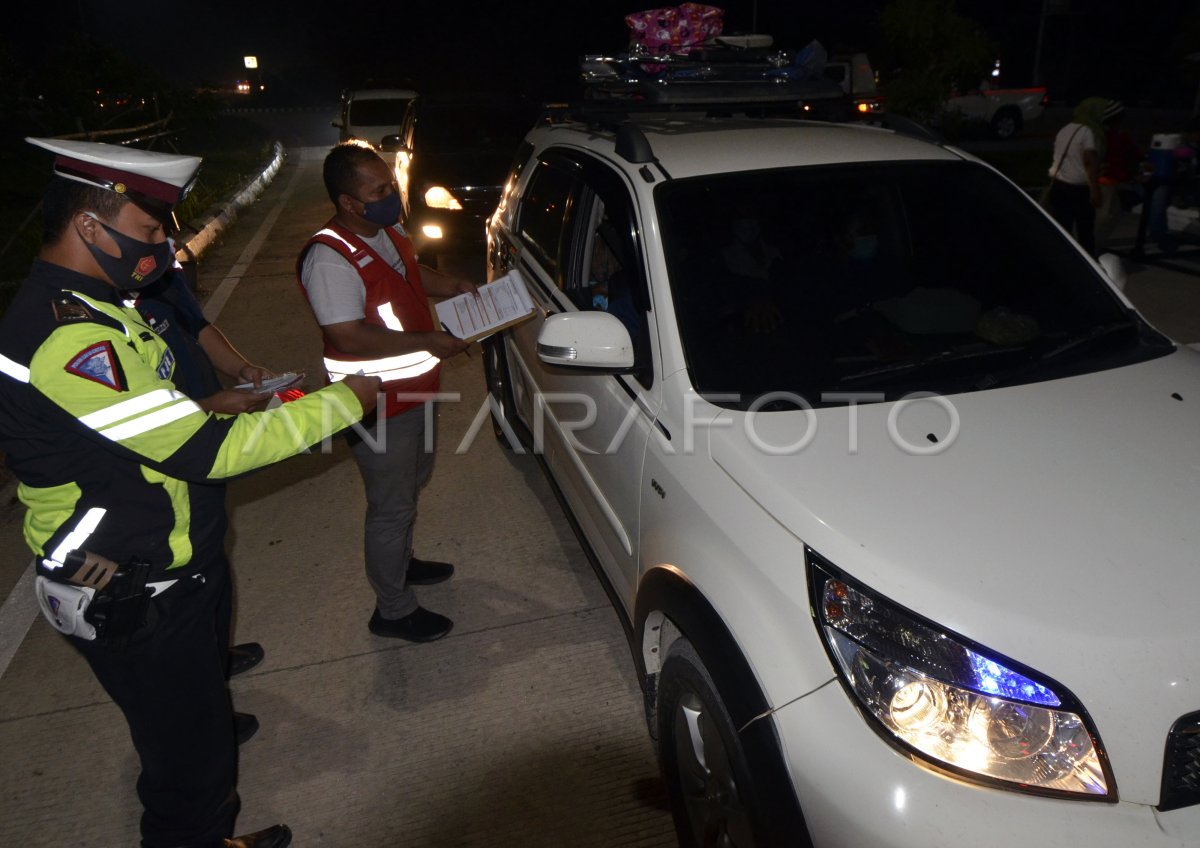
[(1004, 110)]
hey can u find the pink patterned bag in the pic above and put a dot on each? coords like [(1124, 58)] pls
[(674, 29)]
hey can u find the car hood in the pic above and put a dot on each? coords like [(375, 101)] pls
[(1056, 523), (374, 133), (463, 167)]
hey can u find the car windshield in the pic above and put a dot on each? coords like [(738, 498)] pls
[(883, 279), (458, 129), (378, 113)]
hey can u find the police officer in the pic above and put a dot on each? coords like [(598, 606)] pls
[(115, 466)]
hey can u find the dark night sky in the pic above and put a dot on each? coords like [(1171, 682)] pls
[(1105, 46)]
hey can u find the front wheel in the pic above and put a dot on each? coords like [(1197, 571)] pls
[(708, 777), (1006, 123), (495, 371)]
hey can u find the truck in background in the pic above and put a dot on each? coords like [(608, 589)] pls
[(853, 72)]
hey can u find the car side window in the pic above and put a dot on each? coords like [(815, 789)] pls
[(543, 213), (524, 153), (605, 272)]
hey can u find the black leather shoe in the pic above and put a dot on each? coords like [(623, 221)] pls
[(420, 625), (279, 836), (245, 657), (425, 572), (245, 725)]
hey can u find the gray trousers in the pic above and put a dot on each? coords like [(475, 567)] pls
[(394, 465)]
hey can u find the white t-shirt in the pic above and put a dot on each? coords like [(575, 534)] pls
[(334, 286), (1072, 170)]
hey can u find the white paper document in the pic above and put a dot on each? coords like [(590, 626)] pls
[(501, 303), (273, 384)]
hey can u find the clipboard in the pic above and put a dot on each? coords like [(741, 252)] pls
[(502, 303)]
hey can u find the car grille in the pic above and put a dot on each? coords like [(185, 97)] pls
[(1181, 770)]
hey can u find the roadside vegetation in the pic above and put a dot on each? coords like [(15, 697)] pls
[(92, 93)]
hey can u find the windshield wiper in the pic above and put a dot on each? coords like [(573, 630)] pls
[(953, 355), (1086, 337)]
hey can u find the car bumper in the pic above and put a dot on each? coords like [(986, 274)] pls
[(856, 790)]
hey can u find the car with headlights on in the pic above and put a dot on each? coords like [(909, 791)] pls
[(370, 114), (892, 487), (451, 158)]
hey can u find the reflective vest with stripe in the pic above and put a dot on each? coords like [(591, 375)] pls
[(393, 300)]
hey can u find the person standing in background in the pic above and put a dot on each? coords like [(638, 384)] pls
[(1075, 172), (1119, 171)]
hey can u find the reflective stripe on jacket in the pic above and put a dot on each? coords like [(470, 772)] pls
[(110, 456), (393, 300)]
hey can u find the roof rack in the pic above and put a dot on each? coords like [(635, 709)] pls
[(609, 113), (704, 76)]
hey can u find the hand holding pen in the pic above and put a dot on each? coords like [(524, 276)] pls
[(459, 346)]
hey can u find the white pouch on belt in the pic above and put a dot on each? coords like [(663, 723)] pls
[(64, 605)]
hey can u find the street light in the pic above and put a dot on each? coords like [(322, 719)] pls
[(251, 63)]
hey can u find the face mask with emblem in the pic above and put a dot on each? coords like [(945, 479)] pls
[(140, 262)]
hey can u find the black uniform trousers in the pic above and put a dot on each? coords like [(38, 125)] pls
[(170, 684)]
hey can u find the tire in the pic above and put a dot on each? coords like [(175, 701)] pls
[(1007, 123), (495, 370), (709, 783)]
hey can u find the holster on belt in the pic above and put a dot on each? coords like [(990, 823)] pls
[(100, 600)]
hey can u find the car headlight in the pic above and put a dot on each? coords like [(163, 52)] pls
[(954, 704), (438, 197)]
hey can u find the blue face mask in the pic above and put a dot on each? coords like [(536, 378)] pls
[(865, 248), (383, 212)]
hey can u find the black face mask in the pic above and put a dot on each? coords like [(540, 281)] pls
[(140, 262)]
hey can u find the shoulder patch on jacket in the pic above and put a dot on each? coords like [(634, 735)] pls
[(68, 309), (98, 363)]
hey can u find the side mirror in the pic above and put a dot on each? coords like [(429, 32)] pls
[(337, 124), (586, 340), (391, 144), (1115, 269)]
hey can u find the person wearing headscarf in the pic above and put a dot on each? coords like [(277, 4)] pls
[(1075, 171)]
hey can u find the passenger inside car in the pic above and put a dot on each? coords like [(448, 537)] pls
[(754, 265), (608, 286)]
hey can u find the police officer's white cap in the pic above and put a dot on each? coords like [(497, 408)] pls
[(157, 181)]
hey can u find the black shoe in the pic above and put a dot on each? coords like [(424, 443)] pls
[(424, 572), (245, 657), (420, 625), (245, 725), (279, 836)]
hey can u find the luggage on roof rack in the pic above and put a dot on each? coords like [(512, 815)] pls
[(720, 69), (711, 73)]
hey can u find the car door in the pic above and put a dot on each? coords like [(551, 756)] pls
[(404, 155), (576, 243)]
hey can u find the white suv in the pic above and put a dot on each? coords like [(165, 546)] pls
[(894, 490)]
